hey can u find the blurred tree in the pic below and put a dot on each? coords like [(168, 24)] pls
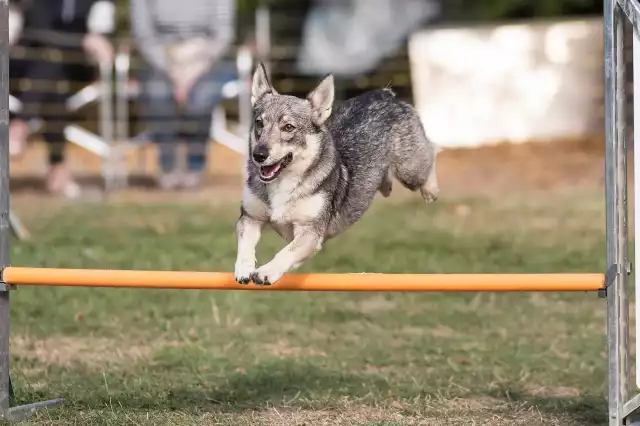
[(456, 10), (245, 6), (482, 10)]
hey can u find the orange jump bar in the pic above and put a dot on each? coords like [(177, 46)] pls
[(305, 282)]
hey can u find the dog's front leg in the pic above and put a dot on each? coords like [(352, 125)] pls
[(307, 241), (248, 231)]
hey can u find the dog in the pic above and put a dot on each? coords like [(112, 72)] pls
[(312, 171)]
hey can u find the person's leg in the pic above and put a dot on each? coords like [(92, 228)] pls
[(44, 99), (160, 118), (74, 75), (56, 117), (203, 97), (18, 129)]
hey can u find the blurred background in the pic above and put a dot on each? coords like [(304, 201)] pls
[(480, 73)]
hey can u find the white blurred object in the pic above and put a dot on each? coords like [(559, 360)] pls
[(518, 82), (16, 22), (352, 36), (72, 190), (15, 105), (102, 18)]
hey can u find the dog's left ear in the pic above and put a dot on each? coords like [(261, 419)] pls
[(321, 99), (260, 85)]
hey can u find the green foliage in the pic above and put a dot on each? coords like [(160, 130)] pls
[(513, 9), (245, 6)]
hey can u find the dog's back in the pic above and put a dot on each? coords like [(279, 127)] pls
[(377, 135)]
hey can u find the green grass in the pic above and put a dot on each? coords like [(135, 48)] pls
[(143, 357)]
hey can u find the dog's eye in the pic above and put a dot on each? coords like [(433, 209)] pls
[(288, 128), (259, 123)]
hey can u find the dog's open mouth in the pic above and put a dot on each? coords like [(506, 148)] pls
[(270, 172)]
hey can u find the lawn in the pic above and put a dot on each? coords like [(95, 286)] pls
[(146, 357)]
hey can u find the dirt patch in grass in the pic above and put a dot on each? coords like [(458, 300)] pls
[(373, 304), (489, 171), (553, 392), (283, 349), (509, 168), (89, 351), (440, 412), (329, 417)]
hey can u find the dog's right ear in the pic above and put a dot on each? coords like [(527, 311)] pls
[(321, 99), (261, 85)]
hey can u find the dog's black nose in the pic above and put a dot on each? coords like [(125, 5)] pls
[(260, 153)]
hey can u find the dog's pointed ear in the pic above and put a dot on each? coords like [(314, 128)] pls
[(260, 85), (321, 99)]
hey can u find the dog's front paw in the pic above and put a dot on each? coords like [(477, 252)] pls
[(266, 274), (243, 271)]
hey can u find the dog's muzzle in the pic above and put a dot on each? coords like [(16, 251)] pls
[(260, 153), (269, 172)]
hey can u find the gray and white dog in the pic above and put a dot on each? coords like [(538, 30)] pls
[(311, 173)]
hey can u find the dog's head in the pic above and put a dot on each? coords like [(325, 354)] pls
[(286, 133)]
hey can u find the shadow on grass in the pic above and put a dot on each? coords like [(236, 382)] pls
[(274, 382), (286, 383), (277, 382)]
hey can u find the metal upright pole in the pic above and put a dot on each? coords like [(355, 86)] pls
[(5, 226), (15, 413), (636, 185), (616, 211)]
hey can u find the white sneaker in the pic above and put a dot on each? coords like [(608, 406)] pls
[(169, 181), (192, 180), (60, 182)]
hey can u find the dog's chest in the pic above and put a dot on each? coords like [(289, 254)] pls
[(282, 208), (285, 206)]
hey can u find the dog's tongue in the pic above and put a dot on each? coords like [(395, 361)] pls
[(269, 171)]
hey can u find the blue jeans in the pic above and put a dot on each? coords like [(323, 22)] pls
[(167, 122)]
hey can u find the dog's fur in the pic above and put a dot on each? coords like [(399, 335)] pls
[(331, 167)]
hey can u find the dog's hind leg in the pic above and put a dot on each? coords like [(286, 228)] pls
[(430, 190), (418, 173), (386, 186), (414, 160)]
